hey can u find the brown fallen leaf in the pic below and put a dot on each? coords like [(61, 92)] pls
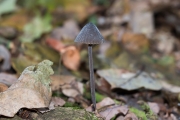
[(3, 87), (105, 102), (32, 90), (59, 80), (73, 89), (112, 111), (81, 100), (70, 54), (7, 79), (71, 57), (57, 101), (70, 92), (107, 109), (67, 84)]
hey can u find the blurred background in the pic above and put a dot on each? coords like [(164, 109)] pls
[(140, 35)]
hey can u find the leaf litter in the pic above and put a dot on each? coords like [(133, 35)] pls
[(137, 33)]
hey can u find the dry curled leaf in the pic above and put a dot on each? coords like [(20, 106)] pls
[(32, 90), (71, 57)]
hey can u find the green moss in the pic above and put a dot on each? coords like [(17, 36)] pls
[(149, 113), (146, 114), (99, 97), (140, 114), (68, 113), (70, 104), (114, 118), (166, 61), (90, 116)]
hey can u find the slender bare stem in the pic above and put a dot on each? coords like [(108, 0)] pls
[(92, 82)]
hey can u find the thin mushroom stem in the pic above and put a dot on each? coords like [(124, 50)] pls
[(92, 82)]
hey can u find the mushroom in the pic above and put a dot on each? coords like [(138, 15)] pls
[(90, 35)]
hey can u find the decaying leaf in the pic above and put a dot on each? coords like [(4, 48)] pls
[(3, 87), (32, 90), (118, 78)]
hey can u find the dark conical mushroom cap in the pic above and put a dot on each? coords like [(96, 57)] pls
[(89, 35)]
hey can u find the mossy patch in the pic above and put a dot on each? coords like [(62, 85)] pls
[(140, 114), (145, 114)]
